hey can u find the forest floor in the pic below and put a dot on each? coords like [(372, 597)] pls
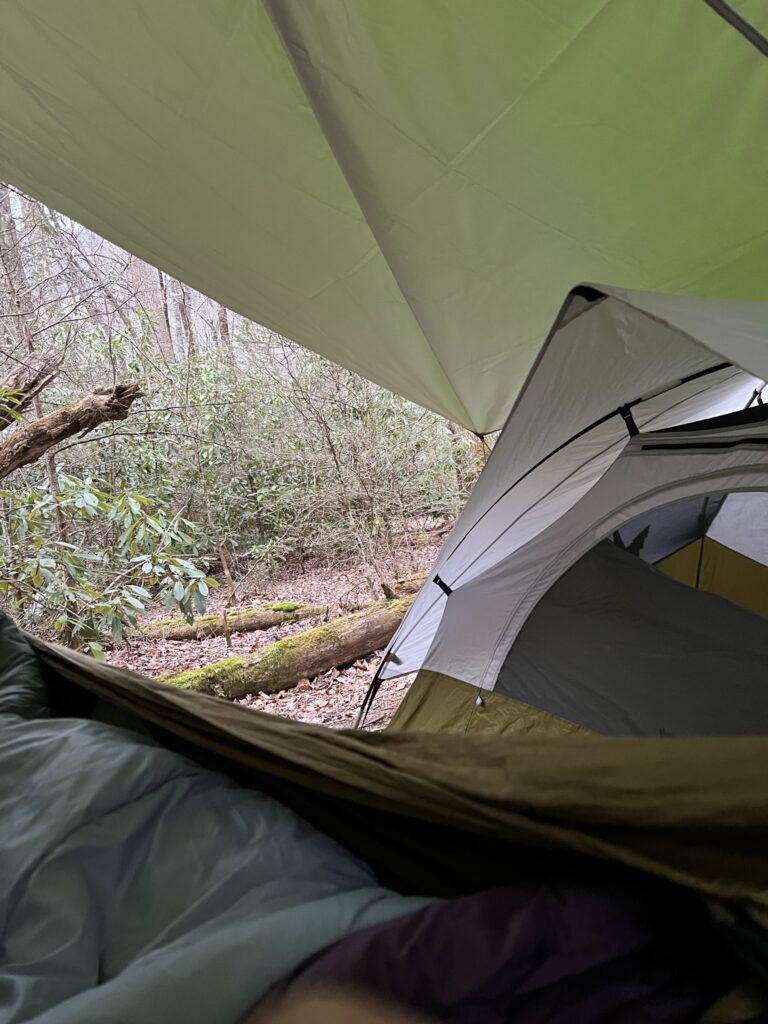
[(332, 699)]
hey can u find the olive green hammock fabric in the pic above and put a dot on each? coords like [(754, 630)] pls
[(407, 187), (453, 813)]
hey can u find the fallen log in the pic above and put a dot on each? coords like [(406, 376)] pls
[(34, 438), (283, 664), (407, 585), (249, 620), (265, 616)]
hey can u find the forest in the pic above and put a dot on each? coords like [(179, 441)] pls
[(163, 460)]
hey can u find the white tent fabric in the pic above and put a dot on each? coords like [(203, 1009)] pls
[(669, 528), (738, 521), (564, 464), (742, 525), (482, 619)]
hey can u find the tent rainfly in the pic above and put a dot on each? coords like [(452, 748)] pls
[(610, 570), (406, 187)]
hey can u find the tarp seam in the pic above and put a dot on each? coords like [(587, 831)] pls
[(278, 18)]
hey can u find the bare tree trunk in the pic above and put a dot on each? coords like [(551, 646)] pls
[(5, 511), (53, 479), (15, 284), (225, 334), (166, 314), (186, 321)]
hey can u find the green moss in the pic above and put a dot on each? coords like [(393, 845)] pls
[(234, 676), (214, 679), (164, 623), (274, 667), (201, 621)]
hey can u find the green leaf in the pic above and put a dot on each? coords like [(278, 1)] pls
[(186, 565), (96, 650), (179, 590)]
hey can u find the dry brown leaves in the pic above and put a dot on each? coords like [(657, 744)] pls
[(332, 699)]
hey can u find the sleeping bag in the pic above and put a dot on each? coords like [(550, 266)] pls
[(139, 887)]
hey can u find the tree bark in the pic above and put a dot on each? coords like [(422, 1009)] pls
[(186, 321), (31, 440), (49, 462), (247, 621), (281, 665), (166, 314), (23, 384), (225, 334)]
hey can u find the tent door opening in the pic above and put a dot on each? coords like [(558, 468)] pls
[(660, 630)]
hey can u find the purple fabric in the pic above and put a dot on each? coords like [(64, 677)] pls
[(534, 953)]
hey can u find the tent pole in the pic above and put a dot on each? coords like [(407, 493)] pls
[(370, 697), (701, 557)]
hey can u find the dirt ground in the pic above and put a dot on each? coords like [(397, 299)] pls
[(332, 699)]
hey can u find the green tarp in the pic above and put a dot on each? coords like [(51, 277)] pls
[(406, 187)]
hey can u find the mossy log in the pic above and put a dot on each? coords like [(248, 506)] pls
[(281, 665), (246, 621), (403, 587)]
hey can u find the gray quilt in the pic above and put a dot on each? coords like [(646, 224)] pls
[(138, 887)]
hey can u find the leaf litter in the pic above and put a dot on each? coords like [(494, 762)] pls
[(332, 699)]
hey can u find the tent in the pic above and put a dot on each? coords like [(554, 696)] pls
[(642, 421), (405, 187)]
